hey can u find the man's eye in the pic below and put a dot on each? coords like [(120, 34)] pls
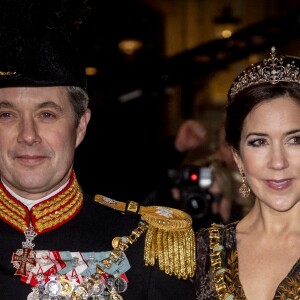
[(295, 140), (47, 115), (5, 115)]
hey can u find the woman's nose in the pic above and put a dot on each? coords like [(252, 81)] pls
[(278, 158)]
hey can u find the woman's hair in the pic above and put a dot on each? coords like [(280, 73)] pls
[(244, 102)]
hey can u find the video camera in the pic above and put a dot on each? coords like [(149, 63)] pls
[(193, 183)]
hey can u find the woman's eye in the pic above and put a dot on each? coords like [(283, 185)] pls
[(257, 142)]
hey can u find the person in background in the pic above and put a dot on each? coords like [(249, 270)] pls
[(258, 257), (224, 184), (223, 150), (56, 241), (224, 154), (190, 135), (223, 204), (207, 190)]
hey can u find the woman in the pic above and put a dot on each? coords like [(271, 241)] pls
[(257, 258)]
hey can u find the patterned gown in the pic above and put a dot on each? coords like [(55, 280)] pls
[(289, 288)]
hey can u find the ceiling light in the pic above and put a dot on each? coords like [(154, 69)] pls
[(129, 46), (91, 71), (226, 24)]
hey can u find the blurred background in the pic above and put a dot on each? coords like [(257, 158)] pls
[(152, 64)]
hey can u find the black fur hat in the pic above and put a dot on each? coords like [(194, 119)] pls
[(37, 43)]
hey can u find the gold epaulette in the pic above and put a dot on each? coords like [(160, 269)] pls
[(169, 238)]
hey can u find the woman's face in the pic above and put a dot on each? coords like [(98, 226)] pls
[(270, 153)]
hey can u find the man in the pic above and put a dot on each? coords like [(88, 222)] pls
[(56, 242)]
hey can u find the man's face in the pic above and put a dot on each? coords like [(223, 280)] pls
[(38, 138)]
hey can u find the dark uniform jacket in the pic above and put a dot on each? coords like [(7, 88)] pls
[(92, 229)]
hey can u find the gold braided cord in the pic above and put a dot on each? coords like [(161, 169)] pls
[(159, 251), (182, 267), (120, 245), (154, 215), (175, 242), (45, 215), (170, 239), (216, 263), (166, 253), (11, 205), (149, 254), (174, 250), (170, 269), (12, 218), (12, 211), (52, 205), (61, 215), (178, 221), (58, 209), (191, 251)]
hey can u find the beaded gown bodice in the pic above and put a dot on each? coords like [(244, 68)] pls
[(206, 289)]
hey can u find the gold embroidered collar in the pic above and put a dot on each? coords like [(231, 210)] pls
[(45, 215)]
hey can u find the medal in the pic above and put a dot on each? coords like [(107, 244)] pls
[(24, 259), (53, 287), (66, 287), (34, 295), (119, 284), (73, 275), (79, 293), (115, 296)]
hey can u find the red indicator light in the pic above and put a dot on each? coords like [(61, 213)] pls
[(194, 177)]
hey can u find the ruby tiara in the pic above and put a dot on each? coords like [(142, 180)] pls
[(271, 70)]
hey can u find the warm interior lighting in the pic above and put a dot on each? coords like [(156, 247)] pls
[(226, 33), (91, 71), (254, 58), (225, 24), (130, 46)]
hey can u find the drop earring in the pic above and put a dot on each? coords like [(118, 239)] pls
[(244, 189)]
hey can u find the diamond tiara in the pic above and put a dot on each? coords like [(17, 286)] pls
[(271, 70)]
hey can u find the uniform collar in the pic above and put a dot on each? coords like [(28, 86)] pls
[(46, 215)]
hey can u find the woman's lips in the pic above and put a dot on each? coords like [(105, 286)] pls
[(279, 184)]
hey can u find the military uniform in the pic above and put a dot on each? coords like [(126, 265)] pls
[(85, 227), (70, 246)]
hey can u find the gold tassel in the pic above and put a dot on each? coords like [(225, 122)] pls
[(170, 238)]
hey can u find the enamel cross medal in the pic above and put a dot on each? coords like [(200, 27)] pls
[(24, 259)]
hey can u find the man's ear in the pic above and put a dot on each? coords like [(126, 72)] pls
[(82, 126)]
